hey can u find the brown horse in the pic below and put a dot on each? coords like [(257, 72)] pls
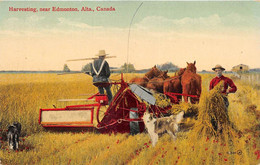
[(173, 84), (156, 83), (191, 82), (154, 72)]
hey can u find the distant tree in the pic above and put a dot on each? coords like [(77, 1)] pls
[(86, 68), (168, 66), (66, 68), (130, 68)]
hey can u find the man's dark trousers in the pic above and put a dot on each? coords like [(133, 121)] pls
[(109, 93)]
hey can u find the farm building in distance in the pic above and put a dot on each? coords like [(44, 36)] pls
[(241, 68)]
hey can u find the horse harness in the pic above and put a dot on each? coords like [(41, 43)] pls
[(100, 69)]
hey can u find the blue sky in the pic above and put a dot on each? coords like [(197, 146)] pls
[(209, 32), (248, 11)]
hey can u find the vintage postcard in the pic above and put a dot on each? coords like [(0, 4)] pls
[(129, 82)]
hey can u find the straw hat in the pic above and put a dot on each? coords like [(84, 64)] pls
[(218, 67), (101, 53)]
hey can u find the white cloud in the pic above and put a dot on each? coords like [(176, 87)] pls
[(159, 22), (34, 26), (14, 21), (34, 18), (66, 22), (10, 22), (210, 23)]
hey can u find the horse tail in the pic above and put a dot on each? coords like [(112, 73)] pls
[(186, 87), (193, 87), (166, 85)]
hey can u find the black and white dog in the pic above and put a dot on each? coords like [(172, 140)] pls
[(158, 126), (13, 134)]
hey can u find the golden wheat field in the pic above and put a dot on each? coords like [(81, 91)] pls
[(22, 95)]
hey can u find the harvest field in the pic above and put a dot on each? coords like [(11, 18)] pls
[(22, 95)]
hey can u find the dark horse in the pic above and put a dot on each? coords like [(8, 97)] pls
[(156, 83), (173, 84), (154, 72), (191, 82)]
